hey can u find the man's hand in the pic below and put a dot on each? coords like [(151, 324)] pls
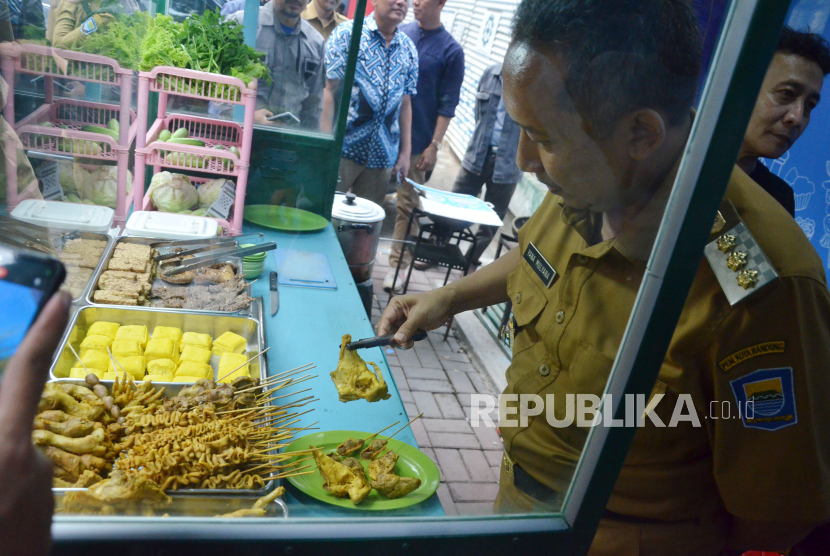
[(261, 116), (402, 166), (26, 502), (428, 159), (405, 314)]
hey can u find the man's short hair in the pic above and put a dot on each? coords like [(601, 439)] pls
[(811, 46), (623, 55)]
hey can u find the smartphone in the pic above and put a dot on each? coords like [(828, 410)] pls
[(27, 281), (286, 118)]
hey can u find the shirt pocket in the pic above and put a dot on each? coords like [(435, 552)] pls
[(589, 370), (482, 103), (528, 303)]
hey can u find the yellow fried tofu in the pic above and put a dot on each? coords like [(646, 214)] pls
[(178, 378), (133, 364), (234, 375), (124, 348), (196, 354), (164, 367), (230, 361), (229, 342), (196, 339), (96, 342), (168, 332), (110, 376), (80, 372), (103, 328), (136, 332), (158, 378), (94, 359), (161, 348), (191, 368)]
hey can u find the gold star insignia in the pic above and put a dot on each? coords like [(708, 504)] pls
[(726, 242), (720, 222), (747, 278), (736, 260)]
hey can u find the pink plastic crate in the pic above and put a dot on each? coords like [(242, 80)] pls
[(73, 114), (54, 62), (209, 159), (198, 84)]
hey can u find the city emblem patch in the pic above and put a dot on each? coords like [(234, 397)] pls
[(766, 398), (89, 26)]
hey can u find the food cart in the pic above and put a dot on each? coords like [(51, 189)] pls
[(305, 333)]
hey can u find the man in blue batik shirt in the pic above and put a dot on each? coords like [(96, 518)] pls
[(377, 141)]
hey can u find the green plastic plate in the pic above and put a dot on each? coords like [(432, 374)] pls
[(412, 463), (285, 219)]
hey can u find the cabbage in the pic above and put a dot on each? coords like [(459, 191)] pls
[(200, 212), (102, 186), (66, 177), (72, 198), (209, 192), (172, 192)]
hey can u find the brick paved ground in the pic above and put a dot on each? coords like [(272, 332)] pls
[(437, 378)]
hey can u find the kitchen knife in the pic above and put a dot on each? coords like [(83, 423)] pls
[(381, 341), (275, 295)]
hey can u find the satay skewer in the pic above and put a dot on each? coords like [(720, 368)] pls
[(406, 425), (269, 479), (75, 353), (242, 365)]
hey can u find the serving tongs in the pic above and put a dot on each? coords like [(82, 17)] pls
[(378, 341), (34, 237), (204, 241), (215, 257)]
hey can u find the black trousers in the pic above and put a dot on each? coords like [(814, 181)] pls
[(497, 193)]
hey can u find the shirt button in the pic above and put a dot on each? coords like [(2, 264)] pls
[(544, 369), (518, 298), (582, 259), (560, 316)]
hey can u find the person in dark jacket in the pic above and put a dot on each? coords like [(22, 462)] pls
[(790, 92)]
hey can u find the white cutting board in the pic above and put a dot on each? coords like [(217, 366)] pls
[(306, 269)]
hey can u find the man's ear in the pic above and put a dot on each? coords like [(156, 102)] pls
[(645, 132)]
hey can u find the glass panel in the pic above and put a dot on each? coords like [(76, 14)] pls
[(596, 104)]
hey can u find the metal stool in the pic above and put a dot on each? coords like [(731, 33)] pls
[(437, 243)]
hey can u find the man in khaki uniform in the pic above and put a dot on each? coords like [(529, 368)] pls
[(602, 93), (321, 14), (13, 158)]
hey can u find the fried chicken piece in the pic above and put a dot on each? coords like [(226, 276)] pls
[(73, 427), (386, 464), (258, 509), (95, 443), (181, 279), (354, 380), (55, 397), (125, 492), (69, 466), (374, 449), (82, 394), (354, 465), (394, 486), (339, 479), (217, 274), (86, 479)]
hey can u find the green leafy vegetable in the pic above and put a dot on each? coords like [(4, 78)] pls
[(120, 40), (161, 46)]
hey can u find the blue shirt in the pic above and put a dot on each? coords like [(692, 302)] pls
[(440, 75), (382, 77)]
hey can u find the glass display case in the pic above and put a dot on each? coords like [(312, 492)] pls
[(637, 179)]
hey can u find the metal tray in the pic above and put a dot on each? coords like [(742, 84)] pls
[(201, 506), (147, 241), (249, 327), (172, 389)]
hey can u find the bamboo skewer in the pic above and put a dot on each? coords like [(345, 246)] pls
[(403, 427), (116, 365), (380, 431), (75, 353), (285, 476), (242, 365)]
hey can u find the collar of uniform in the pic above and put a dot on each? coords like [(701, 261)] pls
[(310, 12), (372, 27), (268, 17)]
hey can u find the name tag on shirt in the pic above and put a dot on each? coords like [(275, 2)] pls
[(540, 265)]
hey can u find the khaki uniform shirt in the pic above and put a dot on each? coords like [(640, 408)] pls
[(310, 15), (69, 16), (19, 163), (567, 337)]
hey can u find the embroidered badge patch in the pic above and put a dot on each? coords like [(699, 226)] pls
[(750, 352), (89, 26), (543, 269), (767, 399)]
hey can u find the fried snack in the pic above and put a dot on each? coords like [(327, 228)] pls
[(103, 328), (258, 509), (125, 348), (164, 367), (94, 359), (196, 354), (80, 372), (190, 368), (229, 342), (161, 348), (353, 378), (354, 465), (394, 486), (196, 339), (95, 443), (69, 467), (133, 364), (64, 424), (54, 397), (339, 479), (123, 493), (168, 332), (134, 332), (386, 464), (233, 362), (350, 446), (374, 449), (95, 342)]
